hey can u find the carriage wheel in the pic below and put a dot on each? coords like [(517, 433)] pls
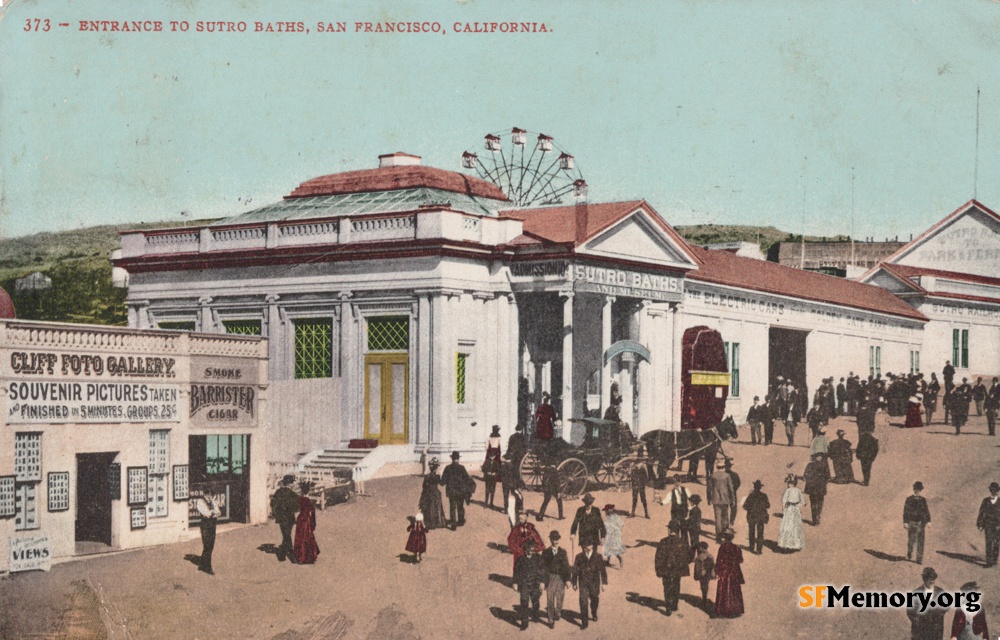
[(623, 472), (605, 473), (572, 477), (531, 470)]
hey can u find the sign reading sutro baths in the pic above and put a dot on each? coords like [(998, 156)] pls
[(630, 284)]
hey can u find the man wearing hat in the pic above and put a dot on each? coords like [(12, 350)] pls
[(971, 625), (638, 479), (755, 418), (757, 507), (989, 523), (550, 491), (545, 418), (816, 475), (517, 445), (916, 517), (589, 523), (284, 506), (722, 496), (529, 580), (992, 406), (456, 486), (867, 450), (672, 559), (589, 577), (930, 623), (691, 529), (842, 457), (556, 562)]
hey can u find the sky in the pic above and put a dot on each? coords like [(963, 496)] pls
[(753, 112)]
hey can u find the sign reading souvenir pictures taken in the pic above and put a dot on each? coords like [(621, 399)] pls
[(223, 392), (181, 482), (8, 496), (51, 387), (138, 518), (137, 486), (58, 491), (30, 553)]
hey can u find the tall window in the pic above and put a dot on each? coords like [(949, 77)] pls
[(389, 333), (733, 362), (242, 327), (960, 348), (28, 475), (313, 348), (461, 359), (914, 362), (874, 360)]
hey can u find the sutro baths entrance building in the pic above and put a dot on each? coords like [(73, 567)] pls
[(406, 303)]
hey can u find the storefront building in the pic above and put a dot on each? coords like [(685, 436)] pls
[(114, 432), (951, 274)]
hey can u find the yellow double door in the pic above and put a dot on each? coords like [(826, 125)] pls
[(387, 397)]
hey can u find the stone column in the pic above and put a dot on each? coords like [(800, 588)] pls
[(568, 400), (644, 377), (677, 335), (277, 338), (605, 345), (205, 321)]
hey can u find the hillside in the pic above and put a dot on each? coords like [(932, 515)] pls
[(78, 263)]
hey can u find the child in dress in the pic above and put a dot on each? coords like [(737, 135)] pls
[(417, 542), (704, 570)]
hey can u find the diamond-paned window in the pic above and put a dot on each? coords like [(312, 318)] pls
[(242, 327), (389, 334), (314, 348)]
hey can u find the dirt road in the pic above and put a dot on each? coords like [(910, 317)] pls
[(364, 587)]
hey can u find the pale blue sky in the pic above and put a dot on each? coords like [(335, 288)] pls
[(732, 112)]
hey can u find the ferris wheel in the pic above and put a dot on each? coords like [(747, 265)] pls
[(541, 175)]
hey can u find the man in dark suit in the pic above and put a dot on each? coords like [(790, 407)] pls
[(841, 397), (928, 625), (589, 523), (866, 452), (529, 580), (816, 476), (757, 507), (456, 486), (672, 559), (589, 577), (638, 479), (517, 446), (550, 489), (992, 406), (556, 562), (989, 523), (284, 506), (961, 396), (916, 517)]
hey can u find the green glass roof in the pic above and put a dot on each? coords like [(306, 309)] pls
[(355, 204)]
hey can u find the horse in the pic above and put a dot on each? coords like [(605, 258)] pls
[(665, 447)]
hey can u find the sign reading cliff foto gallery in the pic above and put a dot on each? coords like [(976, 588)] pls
[(223, 392), (56, 388)]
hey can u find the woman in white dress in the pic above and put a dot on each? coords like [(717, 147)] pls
[(614, 546), (790, 536)]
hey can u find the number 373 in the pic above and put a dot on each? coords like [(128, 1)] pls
[(36, 24)]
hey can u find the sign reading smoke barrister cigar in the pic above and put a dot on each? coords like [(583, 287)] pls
[(223, 392)]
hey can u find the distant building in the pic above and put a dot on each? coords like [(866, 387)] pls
[(742, 249), (951, 274), (34, 282), (832, 258)]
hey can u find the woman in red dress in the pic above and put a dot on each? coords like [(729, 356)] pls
[(729, 593), (305, 548), (417, 542), (913, 413)]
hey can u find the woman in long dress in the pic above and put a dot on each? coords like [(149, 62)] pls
[(614, 547), (430, 498), (305, 547), (729, 592), (790, 537), (913, 413)]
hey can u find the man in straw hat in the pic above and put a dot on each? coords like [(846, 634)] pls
[(284, 506)]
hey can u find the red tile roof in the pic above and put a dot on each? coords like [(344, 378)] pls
[(395, 178), (558, 224), (722, 267)]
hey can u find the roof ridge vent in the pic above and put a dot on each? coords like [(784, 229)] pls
[(398, 159)]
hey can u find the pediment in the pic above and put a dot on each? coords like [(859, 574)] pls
[(889, 282), (638, 238), (968, 241)]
